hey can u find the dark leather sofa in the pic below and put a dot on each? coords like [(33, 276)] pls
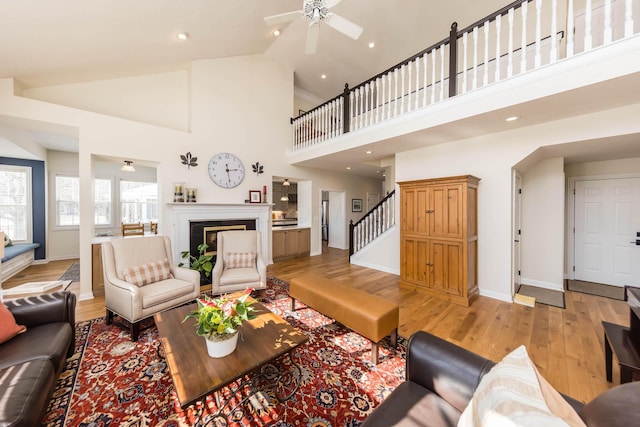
[(441, 378), (31, 362)]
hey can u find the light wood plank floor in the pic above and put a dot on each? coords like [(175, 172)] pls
[(565, 344)]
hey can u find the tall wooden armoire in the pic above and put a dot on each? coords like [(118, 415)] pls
[(439, 237)]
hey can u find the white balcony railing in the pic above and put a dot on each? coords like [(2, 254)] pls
[(521, 37)]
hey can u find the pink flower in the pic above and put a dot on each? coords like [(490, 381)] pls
[(248, 290)]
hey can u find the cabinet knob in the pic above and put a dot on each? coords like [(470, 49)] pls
[(429, 211)]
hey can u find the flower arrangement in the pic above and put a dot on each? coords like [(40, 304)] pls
[(218, 318)]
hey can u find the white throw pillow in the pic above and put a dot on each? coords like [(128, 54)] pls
[(513, 393)]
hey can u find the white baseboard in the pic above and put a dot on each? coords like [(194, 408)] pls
[(496, 295), (86, 296)]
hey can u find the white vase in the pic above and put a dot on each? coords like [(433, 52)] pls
[(223, 347)]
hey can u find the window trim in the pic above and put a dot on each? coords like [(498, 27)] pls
[(54, 202), (29, 195)]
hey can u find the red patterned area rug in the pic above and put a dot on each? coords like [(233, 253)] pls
[(111, 381)]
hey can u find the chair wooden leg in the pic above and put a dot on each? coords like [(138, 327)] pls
[(135, 331), (293, 304), (109, 317)]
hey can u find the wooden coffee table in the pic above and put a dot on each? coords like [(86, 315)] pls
[(195, 374)]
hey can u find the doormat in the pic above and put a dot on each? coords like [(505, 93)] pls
[(72, 273), (543, 296), (608, 291)]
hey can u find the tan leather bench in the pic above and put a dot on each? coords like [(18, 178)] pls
[(369, 315)]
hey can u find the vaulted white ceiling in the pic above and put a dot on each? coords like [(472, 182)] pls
[(60, 41)]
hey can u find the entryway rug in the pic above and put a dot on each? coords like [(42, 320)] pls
[(614, 292), (113, 381), (543, 296), (72, 273)]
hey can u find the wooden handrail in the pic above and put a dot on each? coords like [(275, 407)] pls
[(353, 226)]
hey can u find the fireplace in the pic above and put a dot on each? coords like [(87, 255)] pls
[(207, 232), (255, 216)]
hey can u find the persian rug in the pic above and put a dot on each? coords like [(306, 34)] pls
[(112, 381), (72, 273)]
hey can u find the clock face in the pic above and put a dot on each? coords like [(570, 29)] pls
[(226, 170)]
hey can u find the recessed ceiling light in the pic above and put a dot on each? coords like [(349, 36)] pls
[(276, 33), (348, 168), (182, 36), (323, 76), (368, 152), (372, 45), (512, 118)]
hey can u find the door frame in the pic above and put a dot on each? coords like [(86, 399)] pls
[(516, 221), (570, 257)]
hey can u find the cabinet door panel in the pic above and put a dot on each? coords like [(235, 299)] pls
[(446, 267), (304, 241), (414, 257), (413, 215), (279, 246), (446, 207), (291, 242)]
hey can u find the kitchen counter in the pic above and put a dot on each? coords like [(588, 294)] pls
[(288, 227)]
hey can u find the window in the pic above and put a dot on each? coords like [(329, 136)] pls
[(102, 202), (15, 202), (67, 200), (138, 201)]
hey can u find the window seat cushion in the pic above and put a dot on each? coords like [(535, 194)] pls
[(18, 249)]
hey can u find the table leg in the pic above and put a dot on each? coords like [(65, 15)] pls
[(608, 357), (625, 374)]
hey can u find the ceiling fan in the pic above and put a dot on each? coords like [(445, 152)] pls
[(316, 11)]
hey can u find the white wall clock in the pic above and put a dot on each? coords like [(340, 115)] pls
[(226, 170)]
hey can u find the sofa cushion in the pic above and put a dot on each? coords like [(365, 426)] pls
[(410, 404), (150, 272), (239, 260), (22, 389), (614, 408), (8, 326), (164, 291), (514, 393), (49, 342)]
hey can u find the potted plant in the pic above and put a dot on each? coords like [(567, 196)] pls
[(219, 318), (202, 263)]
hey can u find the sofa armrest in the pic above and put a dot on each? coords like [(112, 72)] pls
[(46, 308), (446, 369)]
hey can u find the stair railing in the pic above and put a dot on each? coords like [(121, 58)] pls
[(375, 222)]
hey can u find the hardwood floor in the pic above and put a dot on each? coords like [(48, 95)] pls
[(565, 344)]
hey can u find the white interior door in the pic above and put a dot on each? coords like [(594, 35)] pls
[(607, 220)]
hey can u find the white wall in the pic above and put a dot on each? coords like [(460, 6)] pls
[(543, 222), (166, 93), (240, 105), (491, 158), (62, 242), (605, 167)]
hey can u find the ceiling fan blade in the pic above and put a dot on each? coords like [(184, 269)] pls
[(343, 25), (330, 3), (312, 38), (283, 17)]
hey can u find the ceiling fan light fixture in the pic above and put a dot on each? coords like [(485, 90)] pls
[(286, 183), (128, 166)]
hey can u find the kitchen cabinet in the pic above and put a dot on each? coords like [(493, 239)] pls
[(289, 243), (439, 237)]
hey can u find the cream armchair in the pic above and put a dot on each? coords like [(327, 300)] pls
[(239, 262), (137, 283)]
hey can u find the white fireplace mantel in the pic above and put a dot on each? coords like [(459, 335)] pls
[(184, 213)]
